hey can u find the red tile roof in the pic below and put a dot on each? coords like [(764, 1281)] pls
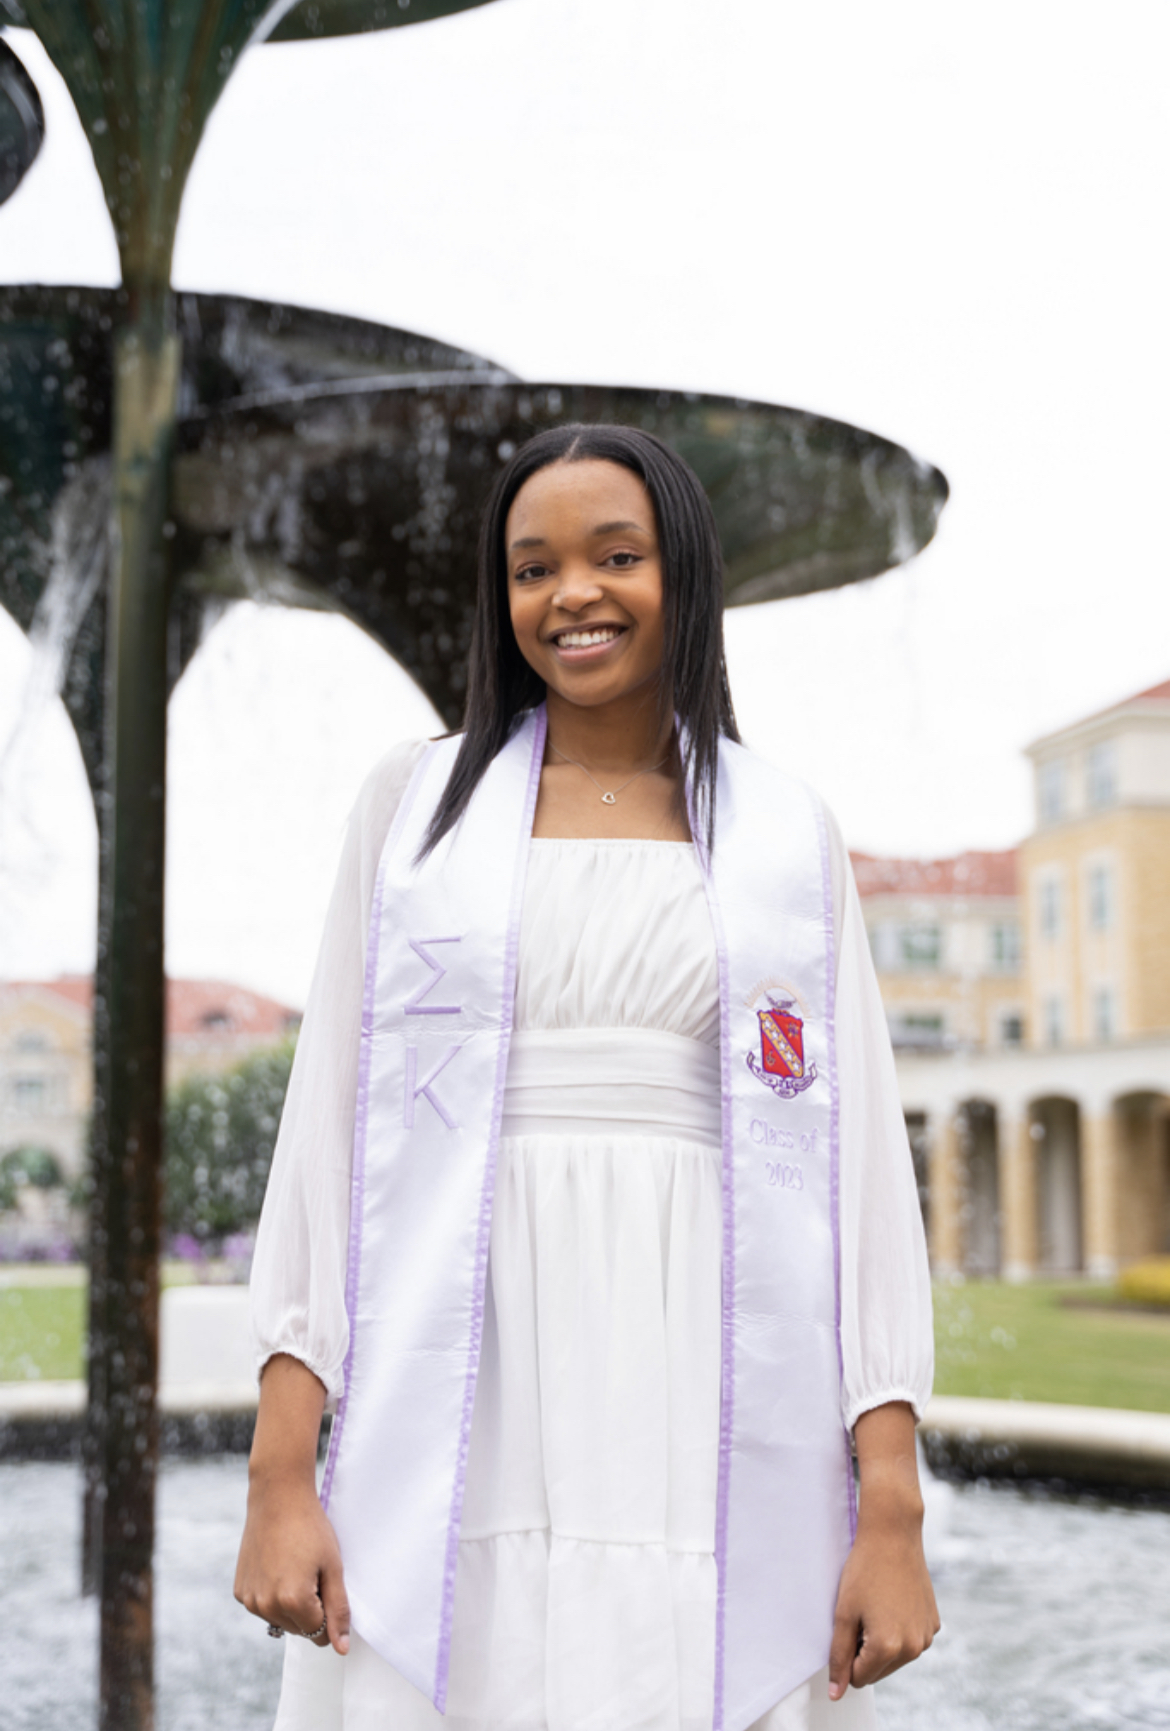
[(967, 874), (194, 1007), (78, 988), (213, 1006), (1152, 694), (1158, 692)]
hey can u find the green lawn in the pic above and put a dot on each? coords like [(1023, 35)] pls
[(1007, 1342), (42, 1324), (1021, 1343), (40, 1332)]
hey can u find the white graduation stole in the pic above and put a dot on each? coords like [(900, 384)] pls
[(440, 987)]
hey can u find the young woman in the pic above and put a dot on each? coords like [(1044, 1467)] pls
[(592, 1214)]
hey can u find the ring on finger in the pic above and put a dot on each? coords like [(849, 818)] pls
[(316, 1634), (275, 1630)]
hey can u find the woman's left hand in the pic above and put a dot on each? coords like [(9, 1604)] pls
[(886, 1611)]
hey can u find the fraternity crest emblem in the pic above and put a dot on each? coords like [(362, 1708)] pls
[(781, 1064)]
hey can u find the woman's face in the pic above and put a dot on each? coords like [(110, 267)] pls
[(585, 581)]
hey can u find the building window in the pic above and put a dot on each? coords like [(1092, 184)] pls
[(1104, 1014), (1054, 1021), (1049, 893), (880, 947), (215, 1019), (1100, 776), (920, 946), (918, 1028), (29, 1094), (1011, 1029), (30, 1040), (1050, 787), (1100, 898), (1005, 947)]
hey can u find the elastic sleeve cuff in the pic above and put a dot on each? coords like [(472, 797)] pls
[(883, 1397), (331, 1385)]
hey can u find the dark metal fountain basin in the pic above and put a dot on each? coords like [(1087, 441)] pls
[(329, 462), (22, 122)]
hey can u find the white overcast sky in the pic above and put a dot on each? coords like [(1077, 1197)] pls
[(942, 222)]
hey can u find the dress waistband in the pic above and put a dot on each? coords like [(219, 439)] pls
[(612, 1081)]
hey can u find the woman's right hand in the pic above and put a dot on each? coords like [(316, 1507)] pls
[(289, 1570)]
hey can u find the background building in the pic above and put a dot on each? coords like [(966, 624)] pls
[(1029, 1002), (946, 940), (46, 1084)]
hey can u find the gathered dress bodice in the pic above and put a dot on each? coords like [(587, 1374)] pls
[(616, 934), (617, 994)]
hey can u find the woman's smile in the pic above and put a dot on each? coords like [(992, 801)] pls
[(585, 643)]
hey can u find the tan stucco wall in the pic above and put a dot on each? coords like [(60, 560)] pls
[(973, 1008), (63, 1063), (1133, 957)]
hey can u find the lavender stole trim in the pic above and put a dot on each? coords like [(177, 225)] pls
[(783, 1509), (436, 1027)]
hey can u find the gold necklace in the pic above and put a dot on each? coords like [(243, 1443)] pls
[(607, 797)]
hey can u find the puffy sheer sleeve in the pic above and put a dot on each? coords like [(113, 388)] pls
[(298, 1273), (887, 1338)]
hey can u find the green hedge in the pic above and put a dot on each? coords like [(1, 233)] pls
[(21, 1168), (1146, 1282), (220, 1133)]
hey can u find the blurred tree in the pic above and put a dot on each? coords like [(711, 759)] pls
[(27, 1168), (219, 1134)]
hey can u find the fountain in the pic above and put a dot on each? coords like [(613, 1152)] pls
[(162, 453), (22, 122), (327, 462)]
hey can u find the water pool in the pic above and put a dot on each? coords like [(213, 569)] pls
[(1056, 1614)]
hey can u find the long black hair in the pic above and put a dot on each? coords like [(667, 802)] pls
[(501, 685)]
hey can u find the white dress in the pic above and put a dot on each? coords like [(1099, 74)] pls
[(585, 1592)]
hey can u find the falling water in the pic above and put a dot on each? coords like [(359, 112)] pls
[(75, 560)]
